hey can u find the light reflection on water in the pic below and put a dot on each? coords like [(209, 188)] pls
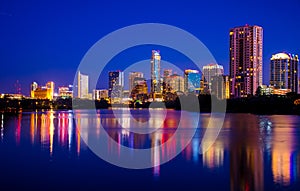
[(252, 143)]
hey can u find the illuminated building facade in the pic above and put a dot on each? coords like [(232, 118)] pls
[(167, 72), (192, 81), (43, 92), (100, 94), (33, 87), (246, 52), (174, 83), (115, 85), (284, 71), (156, 88), (209, 71), (65, 92), (139, 87), (83, 85), (220, 86), (132, 76)]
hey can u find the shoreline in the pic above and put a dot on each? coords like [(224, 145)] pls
[(260, 105)]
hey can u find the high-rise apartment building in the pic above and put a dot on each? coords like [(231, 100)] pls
[(132, 76), (246, 52), (192, 81), (211, 70), (284, 71), (139, 87), (82, 86), (115, 84), (174, 83)]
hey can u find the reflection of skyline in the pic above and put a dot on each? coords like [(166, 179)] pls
[(2, 127), (53, 130)]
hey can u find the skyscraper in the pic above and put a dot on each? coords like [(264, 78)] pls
[(139, 87), (246, 47), (174, 83), (166, 74), (210, 71), (83, 85), (132, 76), (155, 72), (192, 81), (284, 71), (115, 84)]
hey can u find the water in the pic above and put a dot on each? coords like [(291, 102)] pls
[(47, 150)]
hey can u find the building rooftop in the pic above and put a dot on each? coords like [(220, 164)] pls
[(281, 56)]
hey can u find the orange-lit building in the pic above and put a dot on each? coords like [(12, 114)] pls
[(100, 94), (42, 92)]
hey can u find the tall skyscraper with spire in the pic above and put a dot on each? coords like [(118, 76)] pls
[(246, 52), (156, 86)]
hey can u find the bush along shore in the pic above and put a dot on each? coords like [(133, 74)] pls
[(262, 105)]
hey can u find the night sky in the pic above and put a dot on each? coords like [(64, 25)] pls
[(45, 40)]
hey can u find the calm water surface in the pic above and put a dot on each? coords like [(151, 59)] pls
[(45, 150)]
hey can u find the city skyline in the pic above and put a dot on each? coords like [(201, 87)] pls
[(139, 95), (211, 75), (42, 45)]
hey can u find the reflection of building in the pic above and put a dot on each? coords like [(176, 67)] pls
[(42, 92), (192, 81), (156, 88), (282, 165), (284, 71), (210, 71), (132, 76), (246, 45), (65, 92), (246, 155), (42, 127), (214, 156), (83, 85), (100, 94)]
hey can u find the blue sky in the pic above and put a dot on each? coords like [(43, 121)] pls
[(46, 40)]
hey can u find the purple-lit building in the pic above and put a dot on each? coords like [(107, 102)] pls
[(246, 55)]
